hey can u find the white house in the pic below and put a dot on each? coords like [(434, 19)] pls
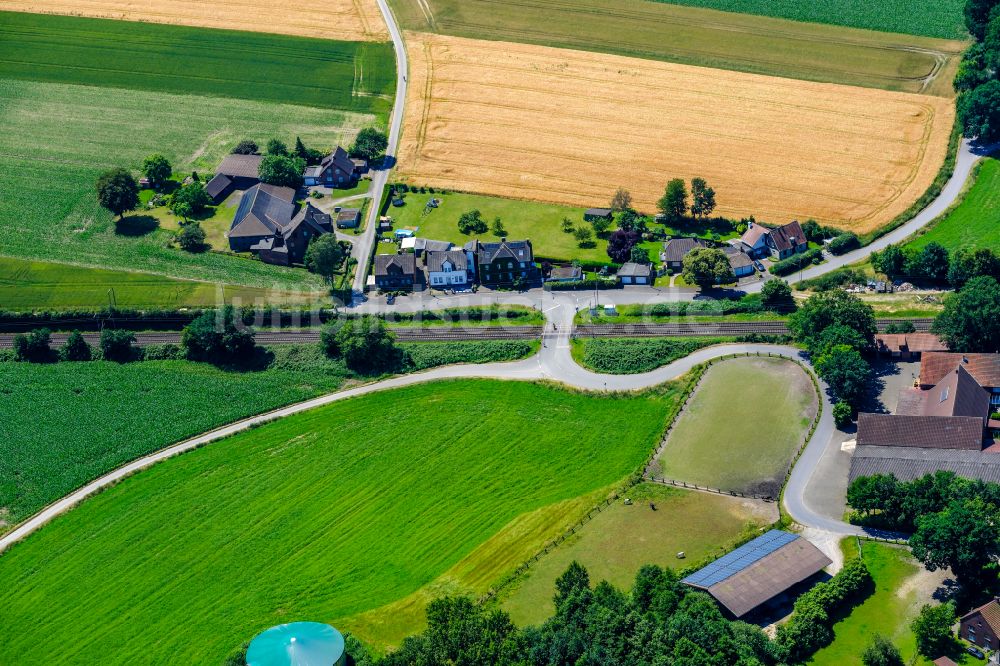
[(447, 269)]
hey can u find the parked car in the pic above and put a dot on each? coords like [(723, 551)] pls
[(975, 652), (390, 299), (759, 266)]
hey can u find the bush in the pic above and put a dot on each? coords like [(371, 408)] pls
[(796, 262), (33, 347), (245, 147), (217, 336), (423, 355), (116, 345), (164, 352), (842, 414), (843, 244), (191, 238), (625, 356), (580, 285), (75, 348), (365, 344)]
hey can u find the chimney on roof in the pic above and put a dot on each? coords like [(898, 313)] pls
[(965, 359), (503, 239)]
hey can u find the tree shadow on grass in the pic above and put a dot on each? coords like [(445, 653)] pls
[(136, 225)]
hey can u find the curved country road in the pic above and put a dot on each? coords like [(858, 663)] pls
[(553, 362)]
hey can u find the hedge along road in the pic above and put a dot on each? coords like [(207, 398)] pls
[(553, 362)]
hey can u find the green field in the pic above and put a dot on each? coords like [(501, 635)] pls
[(321, 515), (697, 36), (901, 588), (975, 221), (40, 285), (177, 59), (538, 222), (628, 356), (621, 539), (57, 138), (933, 18), (742, 427)]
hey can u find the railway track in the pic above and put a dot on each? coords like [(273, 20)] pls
[(446, 334)]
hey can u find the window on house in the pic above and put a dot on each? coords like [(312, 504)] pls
[(944, 394)]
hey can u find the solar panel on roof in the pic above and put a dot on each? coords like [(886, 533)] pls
[(741, 558)]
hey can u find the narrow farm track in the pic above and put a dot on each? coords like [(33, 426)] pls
[(553, 362)]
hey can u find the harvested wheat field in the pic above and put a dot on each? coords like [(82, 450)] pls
[(565, 126), (349, 20)]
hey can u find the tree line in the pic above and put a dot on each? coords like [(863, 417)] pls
[(978, 78)]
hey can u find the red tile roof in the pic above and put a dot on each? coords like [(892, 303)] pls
[(788, 236), (935, 432), (990, 612), (984, 368), (913, 342)]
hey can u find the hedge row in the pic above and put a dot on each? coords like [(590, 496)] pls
[(796, 262)]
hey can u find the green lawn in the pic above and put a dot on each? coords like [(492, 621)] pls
[(57, 138), (40, 285), (538, 222), (179, 59), (621, 539), (900, 590), (975, 222), (321, 515), (937, 18), (742, 427), (734, 41)]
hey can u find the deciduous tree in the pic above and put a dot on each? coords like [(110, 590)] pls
[(156, 168), (370, 144), (979, 111), (365, 344), (968, 322), (191, 237), (620, 244), (118, 191), (281, 170), (218, 336), (846, 372), (881, 652), (965, 538), (472, 222), (673, 203), (277, 147), (622, 200), (245, 147), (325, 255), (702, 198), (116, 345), (707, 267), (33, 346), (932, 629), (75, 348)]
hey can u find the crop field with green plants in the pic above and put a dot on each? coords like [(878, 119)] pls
[(940, 18), (422, 355), (43, 285), (697, 35), (325, 514), (621, 539), (539, 222), (753, 410), (628, 356), (975, 221), (57, 139), (348, 76)]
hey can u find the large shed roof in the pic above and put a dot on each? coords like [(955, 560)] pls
[(759, 570)]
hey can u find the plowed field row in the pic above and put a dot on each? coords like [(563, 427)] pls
[(565, 126)]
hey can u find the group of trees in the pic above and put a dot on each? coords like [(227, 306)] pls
[(472, 222), (953, 521), (707, 267), (35, 347), (218, 336), (370, 144), (933, 263), (837, 328), (968, 322), (978, 77), (365, 344), (674, 203)]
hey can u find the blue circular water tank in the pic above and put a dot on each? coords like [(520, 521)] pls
[(297, 644)]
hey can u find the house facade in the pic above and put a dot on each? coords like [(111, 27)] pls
[(395, 272), (447, 269), (335, 170), (982, 625), (759, 241), (505, 263)]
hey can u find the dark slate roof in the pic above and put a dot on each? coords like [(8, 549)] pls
[(406, 263), (338, 158), (425, 244), (782, 236), (759, 571), (940, 432), (263, 210), (598, 212), (990, 611), (958, 394), (984, 368), (505, 249), (218, 185), (632, 269), (240, 166), (908, 463), (313, 217), (436, 258), (737, 258), (675, 248)]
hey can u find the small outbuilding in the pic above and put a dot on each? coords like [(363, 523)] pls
[(633, 273), (592, 214), (758, 571), (298, 644), (349, 218)]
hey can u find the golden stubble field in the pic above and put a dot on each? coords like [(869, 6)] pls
[(565, 126), (350, 20)]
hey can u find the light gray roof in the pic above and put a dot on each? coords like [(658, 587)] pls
[(632, 269), (428, 245), (240, 166), (264, 209), (436, 258), (908, 463), (675, 248)]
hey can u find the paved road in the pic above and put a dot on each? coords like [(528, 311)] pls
[(553, 362), (362, 248)]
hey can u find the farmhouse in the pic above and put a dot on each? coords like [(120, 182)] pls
[(908, 346), (675, 249), (982, 626), (447, 269), (395, 272), (501, 264), (758, 571), (758, 241), (237, 172), (944, 425), (335, 170), (267, 225), (634, 273)]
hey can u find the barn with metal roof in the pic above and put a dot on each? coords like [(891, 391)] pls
[(758, 571)]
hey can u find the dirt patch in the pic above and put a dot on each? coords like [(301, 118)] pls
[(352, 20), (565, 126)]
